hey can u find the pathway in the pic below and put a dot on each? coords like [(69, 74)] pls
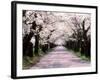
[(60, 57)]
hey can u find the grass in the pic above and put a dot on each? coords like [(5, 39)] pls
[(83, 57), (28, 62), (80, 55)]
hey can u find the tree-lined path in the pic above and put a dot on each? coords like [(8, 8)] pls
[(60, 57)]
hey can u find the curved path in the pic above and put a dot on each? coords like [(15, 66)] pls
[(60, 57)]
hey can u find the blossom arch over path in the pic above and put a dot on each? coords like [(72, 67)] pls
[(42, 30)]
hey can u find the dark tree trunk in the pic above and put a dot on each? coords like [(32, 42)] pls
[(36, 51), (27, 45)]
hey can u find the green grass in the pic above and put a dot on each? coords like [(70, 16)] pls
[(28, 62), (83, 57), (80, 55)]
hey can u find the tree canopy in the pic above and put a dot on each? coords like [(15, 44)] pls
[(55, 27)]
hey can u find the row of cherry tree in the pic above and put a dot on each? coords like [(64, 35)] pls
[(39, 26), (42, 30), (81, 35)]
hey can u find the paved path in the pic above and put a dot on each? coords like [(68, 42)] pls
[(60, 57)]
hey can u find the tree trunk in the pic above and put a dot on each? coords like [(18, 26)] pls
[(27, 45), (36, 45)]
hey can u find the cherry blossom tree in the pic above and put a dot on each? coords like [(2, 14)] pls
[(33, 20), (81, 32), (37, 24), (43, 29)]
